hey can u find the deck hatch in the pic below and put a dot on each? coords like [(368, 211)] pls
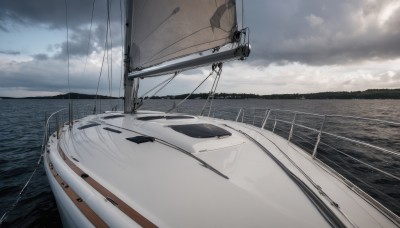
[(112, 117), (201, 130), (88, 125), (146, 118), (112, 130), (141, 139)]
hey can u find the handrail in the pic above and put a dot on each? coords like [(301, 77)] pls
[(365, 118), (316, 114), (46, 128), (298, 112), (364, 144), (344, 138), (248, 115), (288, 123)]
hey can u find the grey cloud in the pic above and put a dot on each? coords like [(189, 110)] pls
[(10, 52), (36, 75), (30, 75), (77, 46), (3, 28), (40, 57), (52, 15), (315, 32), (322, 32), (79, 40)]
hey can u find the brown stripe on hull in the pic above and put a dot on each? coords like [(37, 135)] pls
[(121, 205), (82, 205)]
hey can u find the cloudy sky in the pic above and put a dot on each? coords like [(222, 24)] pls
[(298, 46)]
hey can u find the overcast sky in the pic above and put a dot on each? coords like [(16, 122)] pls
[(298, 46)]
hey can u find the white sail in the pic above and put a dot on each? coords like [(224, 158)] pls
[(169, 29)]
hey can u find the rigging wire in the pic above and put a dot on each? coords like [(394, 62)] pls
[(215, 88), (109, 51), (101, 68), (98, 82), (101, 71), (212, 90), (168, 79), (175, 107), (66, 25), (90, 36), (163, 83), (20, 194)]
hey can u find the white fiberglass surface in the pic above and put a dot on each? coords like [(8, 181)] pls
[(173, 189), (358, 210)]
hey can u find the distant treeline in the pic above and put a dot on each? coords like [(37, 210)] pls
[(367, 94), (68, 96)]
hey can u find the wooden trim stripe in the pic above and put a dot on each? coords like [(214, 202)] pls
[(108, 195), (75, 198)]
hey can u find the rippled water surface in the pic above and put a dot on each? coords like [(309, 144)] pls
[(22, 128)]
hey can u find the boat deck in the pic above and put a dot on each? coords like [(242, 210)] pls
[(148, 169)]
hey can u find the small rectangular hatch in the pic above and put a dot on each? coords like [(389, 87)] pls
[(88, 125), (147, 118), (141, 139), (113, 116), (112, 130), (201, 130)]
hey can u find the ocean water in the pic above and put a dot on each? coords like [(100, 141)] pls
[(22, 128)]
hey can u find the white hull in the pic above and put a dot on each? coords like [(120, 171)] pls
[(172, 179), (69, 213)]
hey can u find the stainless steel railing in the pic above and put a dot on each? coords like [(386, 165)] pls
[(60, 117), (251, 115), (354, 154)]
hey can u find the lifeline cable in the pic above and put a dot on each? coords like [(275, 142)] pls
[(315, 185), (323, 209), (5, 215)]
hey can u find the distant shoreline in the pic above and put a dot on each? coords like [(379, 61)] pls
[(367, 94)]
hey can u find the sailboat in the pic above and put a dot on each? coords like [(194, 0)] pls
[(165, 169)]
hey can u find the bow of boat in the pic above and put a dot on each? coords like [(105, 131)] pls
[(171, 170)]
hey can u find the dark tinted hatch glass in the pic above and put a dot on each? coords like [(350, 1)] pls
[(88, 125), (201, 130), (112, 130), (144, 118), (113, 117), (141, 139)]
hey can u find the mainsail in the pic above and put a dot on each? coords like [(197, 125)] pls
[(169, 29), (160, 31)]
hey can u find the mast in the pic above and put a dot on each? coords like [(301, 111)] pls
[(131, 86)]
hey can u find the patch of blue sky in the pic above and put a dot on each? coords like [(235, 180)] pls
[(30, 40)]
